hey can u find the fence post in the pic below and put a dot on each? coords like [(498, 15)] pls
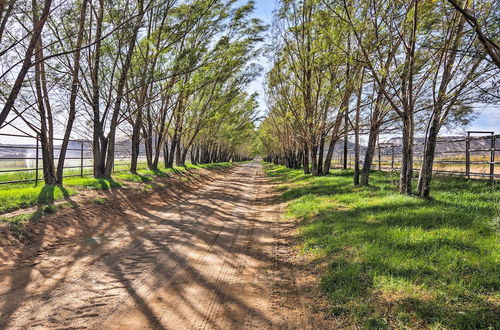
[(344, 166), (379, 161), (36, 161), (492, 156), (392, 157), (81, 158), (467, 155)]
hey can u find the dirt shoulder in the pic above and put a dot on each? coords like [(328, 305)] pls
[(73, 220)]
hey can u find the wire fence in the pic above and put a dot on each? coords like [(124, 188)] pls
[(21, 162), (476, 154)]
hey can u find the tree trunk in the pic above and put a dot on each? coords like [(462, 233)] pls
[(16, 88), (171, 153), (314, 159), (298, 160), (346, 137), (356, 132), (178, 155), (197, 155), (73, 94), (184, 156), (193, 155), (320, 153), (203, 154), (372, 138), (99, 143), (306, 159), (49, 174), (110, 158), (156, 158), (44, 111), (136, 143), (369, 153), (407, 115), (148, 145), (424, 180), (329, 154), (165, 154), (407, 156)]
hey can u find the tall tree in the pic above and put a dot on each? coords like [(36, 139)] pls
[(27, 61), (490, 46)]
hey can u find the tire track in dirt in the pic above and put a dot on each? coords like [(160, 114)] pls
[(202, 264), (230, 274)]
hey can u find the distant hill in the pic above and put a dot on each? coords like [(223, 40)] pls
[(447, 144)]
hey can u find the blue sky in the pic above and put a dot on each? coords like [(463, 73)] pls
[(487, 120), (263, 10)]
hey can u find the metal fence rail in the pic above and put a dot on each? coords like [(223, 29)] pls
[(80, 159), (471, 156)]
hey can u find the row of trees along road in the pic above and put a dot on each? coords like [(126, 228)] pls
[(357, 67), (170, 74)]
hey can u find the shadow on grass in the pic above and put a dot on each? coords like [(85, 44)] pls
[(400, 261), (93, 183), (45, 205), (46, 195), (134, 177), (165, 174)]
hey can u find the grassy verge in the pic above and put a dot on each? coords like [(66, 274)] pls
[(18, 222), (15, 196), (146, 175), (392, 261)]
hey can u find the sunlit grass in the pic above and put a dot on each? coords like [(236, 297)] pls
[(147, 175), (394, 261), (91, 183), (21, 195), (99, 200)]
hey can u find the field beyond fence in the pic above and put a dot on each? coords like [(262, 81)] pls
[(475, 155)]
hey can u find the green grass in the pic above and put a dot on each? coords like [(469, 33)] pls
[(147, 176), (18, 196), (91, 183), (15, 196), (134, 177), (18, 222), (210, 166), (99, 201), (21, 195), (393, 261)]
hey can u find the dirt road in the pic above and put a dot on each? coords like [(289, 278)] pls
[(209, 259)]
